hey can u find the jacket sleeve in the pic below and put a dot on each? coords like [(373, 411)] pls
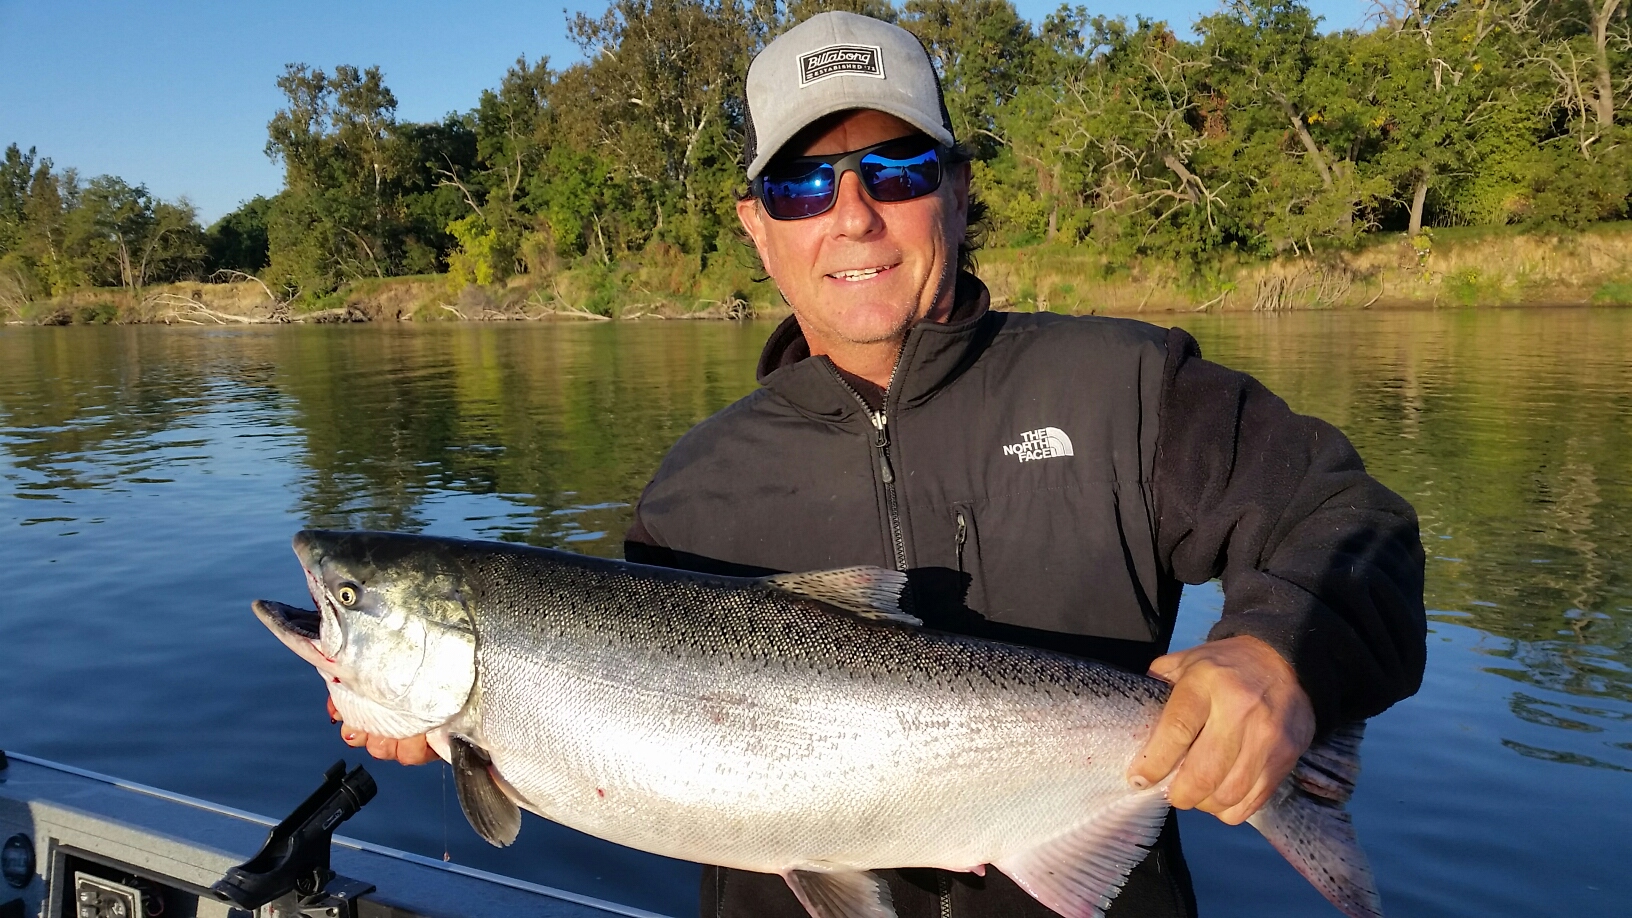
[(1317, 558), (641, 547)]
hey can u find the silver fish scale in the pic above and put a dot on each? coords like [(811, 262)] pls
[(724, 721)]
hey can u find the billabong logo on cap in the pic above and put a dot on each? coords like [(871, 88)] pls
[(833, 60)]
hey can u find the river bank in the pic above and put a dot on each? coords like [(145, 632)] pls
[(1443, 268)]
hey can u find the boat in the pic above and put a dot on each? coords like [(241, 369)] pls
[(77, 844)]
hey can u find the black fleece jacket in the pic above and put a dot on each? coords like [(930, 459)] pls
[(1317, 558)]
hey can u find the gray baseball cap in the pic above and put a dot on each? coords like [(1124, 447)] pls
[(833, 62)]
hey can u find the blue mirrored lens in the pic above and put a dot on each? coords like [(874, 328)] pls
[(789, 197), (891, 171), (888, 179)]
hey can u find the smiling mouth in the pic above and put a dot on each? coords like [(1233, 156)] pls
[(860, 274)]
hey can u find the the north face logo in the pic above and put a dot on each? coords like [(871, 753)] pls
[(1043, 443), (818, 65)]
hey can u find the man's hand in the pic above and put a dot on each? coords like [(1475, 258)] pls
[(411, 751), (1235, 725)]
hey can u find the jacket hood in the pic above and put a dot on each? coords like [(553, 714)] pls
[(932, 356)]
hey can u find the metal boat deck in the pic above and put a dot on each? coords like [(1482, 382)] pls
[(85, 828)]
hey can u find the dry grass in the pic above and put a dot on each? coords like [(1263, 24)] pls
[(1451, 268)]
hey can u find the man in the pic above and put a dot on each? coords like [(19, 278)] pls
[(1043, 480)]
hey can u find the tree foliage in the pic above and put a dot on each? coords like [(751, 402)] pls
[(58, 233), (1261, 135)]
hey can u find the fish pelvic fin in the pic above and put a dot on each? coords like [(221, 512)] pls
[(869, 592), (1306, 821), (1078, 874), (490, 811), (841, 893)]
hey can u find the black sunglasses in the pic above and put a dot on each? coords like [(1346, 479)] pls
[(895, 170)]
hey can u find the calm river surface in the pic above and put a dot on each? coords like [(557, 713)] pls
[(150, 480)]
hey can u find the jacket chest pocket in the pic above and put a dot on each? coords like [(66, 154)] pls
[(1061, 560)]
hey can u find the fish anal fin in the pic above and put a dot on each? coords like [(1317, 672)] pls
[(1078, 873), (1307, 823), (490, 811), (869, 592), (841, 893)]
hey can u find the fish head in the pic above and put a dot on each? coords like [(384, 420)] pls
[(392, 633)]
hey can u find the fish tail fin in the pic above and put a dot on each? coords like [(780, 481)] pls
[(1308, 823)]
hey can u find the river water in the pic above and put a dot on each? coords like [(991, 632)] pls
[(150, 479)]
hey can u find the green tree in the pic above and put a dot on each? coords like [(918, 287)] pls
[(118, 235), (1280, 80), (238, 241), (664, 85), (982, 49), (16, 172), (514, 128), (364, 194), (1445, 84)]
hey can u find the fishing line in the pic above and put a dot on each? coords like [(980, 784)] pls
[(446, 856)]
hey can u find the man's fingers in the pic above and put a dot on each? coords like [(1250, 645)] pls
[(1249, 804), (1238, 784), (334, 712), (1225, 766), (382, 747), (1266, 757), (1182, 719), (1212, 761), (1168, 667), (414, 751)]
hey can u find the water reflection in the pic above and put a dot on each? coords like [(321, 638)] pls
[(563, 426), (152, 478)]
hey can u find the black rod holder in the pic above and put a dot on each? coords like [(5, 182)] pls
[(295, 858)]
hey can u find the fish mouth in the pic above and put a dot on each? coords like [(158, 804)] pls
[(297, 628)]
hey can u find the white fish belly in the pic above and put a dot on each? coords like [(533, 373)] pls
[(778, 771)]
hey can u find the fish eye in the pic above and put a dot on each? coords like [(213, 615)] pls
[(348, 594)]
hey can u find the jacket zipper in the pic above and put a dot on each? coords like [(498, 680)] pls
[(898, 541), (881, 443), (963, 536)]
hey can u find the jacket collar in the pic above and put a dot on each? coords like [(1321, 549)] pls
[(931, 357)]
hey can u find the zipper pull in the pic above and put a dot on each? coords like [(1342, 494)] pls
[(963, 536), (881, 441)]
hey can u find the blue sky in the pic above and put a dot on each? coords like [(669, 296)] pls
[(176, 95)]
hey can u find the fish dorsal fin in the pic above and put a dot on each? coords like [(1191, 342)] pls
[(841, 893), (492, 814), (1078, 874), (870, 592)]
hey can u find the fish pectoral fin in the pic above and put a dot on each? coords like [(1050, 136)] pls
[(491, 813), (1078, 874), (841, 893), (870, 592)]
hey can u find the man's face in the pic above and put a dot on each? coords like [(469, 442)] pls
[(864, 271)]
